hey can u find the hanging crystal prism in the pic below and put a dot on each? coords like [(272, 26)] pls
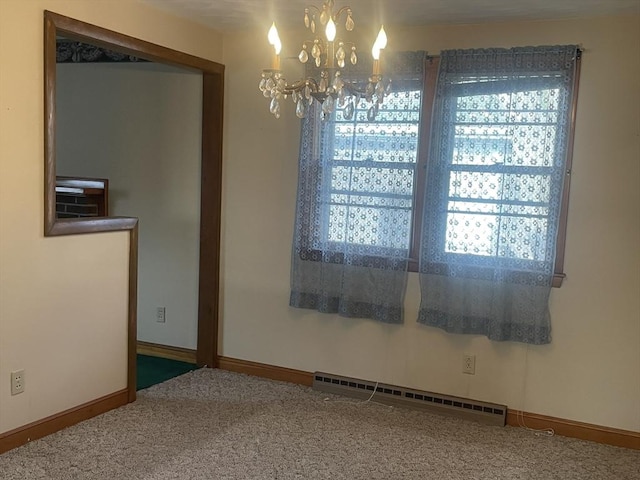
[(263, 84), (307, 94), (323, 16), (306, 17), (313, 26), (269, 83), (353, 57), (328, 104), (347, 114), (315, 50), (342, 98), (273, 106), (372, 112), (303, 56), (301, 110), (368, 91), (318, 61), (349, 23), (322, 86), (337, 82)]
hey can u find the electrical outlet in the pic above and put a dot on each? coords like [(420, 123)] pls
[(17, 382), (161, 314), (469, 364)]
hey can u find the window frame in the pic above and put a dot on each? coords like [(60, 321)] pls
[(420, 179)]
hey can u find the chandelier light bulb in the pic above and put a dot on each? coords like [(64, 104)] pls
[(330, 31), (274, 39), (381, 39), (378, 45)]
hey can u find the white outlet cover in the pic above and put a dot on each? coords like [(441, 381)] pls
[(469, 364), (17, 382)]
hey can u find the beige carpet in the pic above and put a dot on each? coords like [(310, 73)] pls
[(211, 424)]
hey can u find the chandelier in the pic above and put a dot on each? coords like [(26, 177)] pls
[(329, 54)]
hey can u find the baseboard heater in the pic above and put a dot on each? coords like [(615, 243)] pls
[(483, 412)]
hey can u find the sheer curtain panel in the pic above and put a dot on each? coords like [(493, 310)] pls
[(355, 202), (495, 176)]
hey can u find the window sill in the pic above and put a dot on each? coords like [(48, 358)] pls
[(558, 278)]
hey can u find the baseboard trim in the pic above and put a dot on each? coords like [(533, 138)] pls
[(571, 428), (41, 428), (165, 351), (266, 371), (566, 428)]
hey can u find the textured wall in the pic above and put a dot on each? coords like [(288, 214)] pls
[(588, 373)]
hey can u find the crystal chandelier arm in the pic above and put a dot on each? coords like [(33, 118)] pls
[(344, 43), (311, 42), (313, 7), (300, 85), (346, 8), (354, 89)]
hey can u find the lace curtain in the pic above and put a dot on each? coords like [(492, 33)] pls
[(495, 176), (355, 200)]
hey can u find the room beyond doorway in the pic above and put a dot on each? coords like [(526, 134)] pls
[(211, 176)]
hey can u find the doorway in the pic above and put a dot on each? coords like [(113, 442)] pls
[(210, 177)]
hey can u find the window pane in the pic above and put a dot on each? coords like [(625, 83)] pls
[(500, 174), (385, 181), (370, 200)]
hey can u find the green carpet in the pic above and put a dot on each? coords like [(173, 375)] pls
[(153, 370)]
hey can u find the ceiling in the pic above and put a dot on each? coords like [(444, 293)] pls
[(233, 15)]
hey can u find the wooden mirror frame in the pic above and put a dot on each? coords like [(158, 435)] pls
[(211, 175)]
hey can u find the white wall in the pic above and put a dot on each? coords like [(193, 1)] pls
[(139, 125), (73, 351), (590, 370)]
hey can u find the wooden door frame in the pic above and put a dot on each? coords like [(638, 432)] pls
[(211, 176)]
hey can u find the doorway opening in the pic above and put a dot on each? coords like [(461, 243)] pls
[(210, 177)]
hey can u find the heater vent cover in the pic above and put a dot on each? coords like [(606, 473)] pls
[(487, 413)]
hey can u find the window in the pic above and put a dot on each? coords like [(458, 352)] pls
[(354, 215), (504, 181), (498, 179), (502, 170), (372, 169), (462, 175), (495, 190)]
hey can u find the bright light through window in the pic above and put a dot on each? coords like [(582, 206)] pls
[(500, 174), (372, 174)]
